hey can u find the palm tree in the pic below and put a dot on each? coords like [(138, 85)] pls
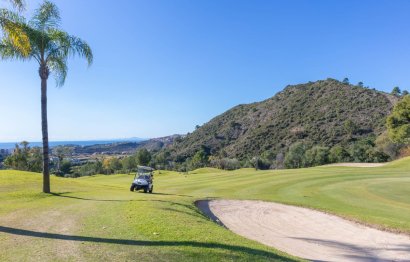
[(50, 47), (18, 3)]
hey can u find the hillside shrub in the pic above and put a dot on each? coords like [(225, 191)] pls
[(404, 152), (225, 163), (388, 147), (398, 123), (317, 155), (25, 158), (295, 158), (88, 169), (260, 163), (200, 159), (338, 154)]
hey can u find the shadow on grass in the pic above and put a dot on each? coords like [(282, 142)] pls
[(89, 199), (64, 194), (195, 211), (232, 248), (165, 194)]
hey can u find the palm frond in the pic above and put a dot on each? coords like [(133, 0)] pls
[(81, 48), (46, 17), (58, 67), (9, 51), (20, 4), (62, 44), (13, 27), (58, 43), (42, 40)]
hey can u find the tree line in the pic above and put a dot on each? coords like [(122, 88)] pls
[(26, 158), (396, 91)]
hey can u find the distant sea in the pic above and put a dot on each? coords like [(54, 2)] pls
[(10, 145)]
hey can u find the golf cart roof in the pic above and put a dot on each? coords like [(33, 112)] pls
[(145, 169)]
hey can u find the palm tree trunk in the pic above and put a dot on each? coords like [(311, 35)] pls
[(44, 127)]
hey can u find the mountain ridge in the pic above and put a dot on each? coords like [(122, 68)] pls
[(314, 112)]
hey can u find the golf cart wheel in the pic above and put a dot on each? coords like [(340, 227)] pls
[(132, 188), (145, 190), (152, 188)]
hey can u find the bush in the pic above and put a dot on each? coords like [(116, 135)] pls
[(295, 158), (111, 165), (143, 157), (338, 154), (25, 158), (65, 169), (404, 152), (226, 163), (88, 169), (260, 163), (129, 163), (316, 156), (358, 151), (385, 145), (373, 155), (398, 123), (161, 160), (200, 159)]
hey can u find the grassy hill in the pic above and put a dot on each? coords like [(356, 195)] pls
[(315, 112), (97, 218)]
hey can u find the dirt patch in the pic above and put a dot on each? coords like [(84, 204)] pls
[(307, 233), (57, 221)]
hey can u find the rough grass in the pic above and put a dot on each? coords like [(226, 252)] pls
[(97, 218)]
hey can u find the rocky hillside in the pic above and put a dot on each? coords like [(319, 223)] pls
[(326, 112)]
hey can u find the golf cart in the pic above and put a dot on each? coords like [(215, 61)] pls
[(143, 179)]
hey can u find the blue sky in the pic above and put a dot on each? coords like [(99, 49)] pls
[(162, 67)]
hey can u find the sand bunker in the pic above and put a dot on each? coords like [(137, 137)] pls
[(307, 233)]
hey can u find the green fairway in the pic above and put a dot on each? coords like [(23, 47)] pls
[(97, 218)]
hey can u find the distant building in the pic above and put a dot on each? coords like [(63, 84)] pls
[(75, 161)]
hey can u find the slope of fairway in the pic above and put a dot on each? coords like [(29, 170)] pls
[(97, 218)]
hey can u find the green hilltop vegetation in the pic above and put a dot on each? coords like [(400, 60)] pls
[(321, 114), (97, 218)]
